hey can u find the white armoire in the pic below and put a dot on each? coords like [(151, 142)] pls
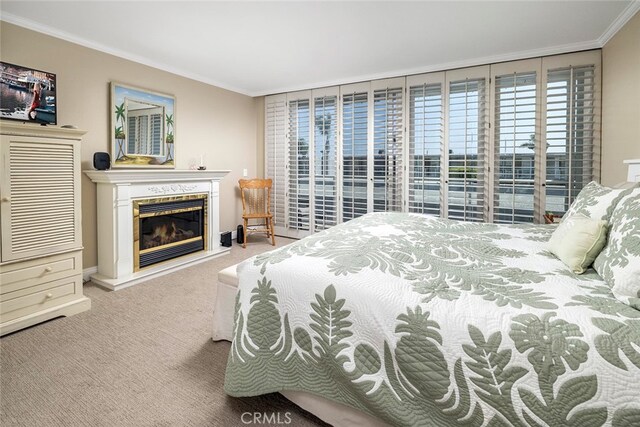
[(41, 237)]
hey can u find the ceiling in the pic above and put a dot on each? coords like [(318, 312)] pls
[(265, 47)]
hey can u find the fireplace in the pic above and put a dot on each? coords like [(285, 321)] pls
[(165, 228)]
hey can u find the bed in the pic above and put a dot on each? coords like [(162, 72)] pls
[(417, 320)]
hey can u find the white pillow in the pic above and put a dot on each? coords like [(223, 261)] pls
[(577, 241)]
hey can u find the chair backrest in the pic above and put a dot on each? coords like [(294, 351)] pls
[(256, 196)]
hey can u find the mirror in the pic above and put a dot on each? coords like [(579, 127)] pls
[(143, 128)]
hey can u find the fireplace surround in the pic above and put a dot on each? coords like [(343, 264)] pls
[(165, 228), (152, 222)]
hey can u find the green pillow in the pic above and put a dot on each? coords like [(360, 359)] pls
[(596, 201), (578, 241), (619, 261)]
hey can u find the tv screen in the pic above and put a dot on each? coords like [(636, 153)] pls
[(27, 95)]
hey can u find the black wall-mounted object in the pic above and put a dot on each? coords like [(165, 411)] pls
[(101, 161), (225, 239), (240, 232)]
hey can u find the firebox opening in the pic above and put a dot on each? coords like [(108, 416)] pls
[(167, 228)]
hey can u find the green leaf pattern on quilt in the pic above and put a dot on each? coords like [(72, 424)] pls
[(457, 257), (596, 201), (619, 262), (528, 372)]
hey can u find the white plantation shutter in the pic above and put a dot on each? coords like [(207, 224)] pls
[(325, 165), (500, 143), (388, 132), (571, 127), (467, 145), (275, 135), (355, 146), (516, 139), (298, 170), (425, 142)]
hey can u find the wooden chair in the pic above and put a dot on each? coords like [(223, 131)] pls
[(256, 205)]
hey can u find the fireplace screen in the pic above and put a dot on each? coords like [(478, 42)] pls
[(168, 227)]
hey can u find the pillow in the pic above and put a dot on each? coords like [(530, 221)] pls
[(578, 241), (596, 201), (619, 262)]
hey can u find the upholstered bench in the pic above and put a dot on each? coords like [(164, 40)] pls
[(226, 289)]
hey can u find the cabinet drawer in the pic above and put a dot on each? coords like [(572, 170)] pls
[(14, 277), (45, 296)]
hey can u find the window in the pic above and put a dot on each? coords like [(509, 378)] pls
[(467, 144), (325, 114), (355, 145), (501, 143), (299, 144), (426, 142), (572, 153), (388, 134), (275, 135), (516, 140)]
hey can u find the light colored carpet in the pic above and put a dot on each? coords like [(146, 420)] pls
[(142, 356)]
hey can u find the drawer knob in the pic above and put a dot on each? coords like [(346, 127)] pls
[(6, 199), (49, 296), (48, 269)]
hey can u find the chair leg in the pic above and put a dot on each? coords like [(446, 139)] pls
[(244, 232), (273, 237)]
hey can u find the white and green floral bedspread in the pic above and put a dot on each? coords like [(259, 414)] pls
[(424, 321)]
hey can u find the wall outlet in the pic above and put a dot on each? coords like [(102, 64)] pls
[(244, 172)]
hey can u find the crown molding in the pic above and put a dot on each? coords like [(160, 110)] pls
[(615, 26), (446, 66), (54, 32), (619, 22)]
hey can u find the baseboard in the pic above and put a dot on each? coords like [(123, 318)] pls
[(156, 270), (87, 272)]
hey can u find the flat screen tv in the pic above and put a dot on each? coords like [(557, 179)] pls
[(27, 95)]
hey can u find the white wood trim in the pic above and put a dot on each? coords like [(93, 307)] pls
[(45, 29), (479, 61), (66, 309), (45, 280), (116, 190), (155, 271), (87, 272), (615, 26), (128, 176), (619, 22)]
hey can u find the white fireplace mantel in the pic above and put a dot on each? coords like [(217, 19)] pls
[(116, 191)]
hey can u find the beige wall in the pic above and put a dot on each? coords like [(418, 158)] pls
[(219, 124), (621, 101)]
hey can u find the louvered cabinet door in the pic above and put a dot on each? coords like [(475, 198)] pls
[(40, 196)]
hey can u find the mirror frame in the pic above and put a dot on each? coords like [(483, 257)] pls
[(119, 157)]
